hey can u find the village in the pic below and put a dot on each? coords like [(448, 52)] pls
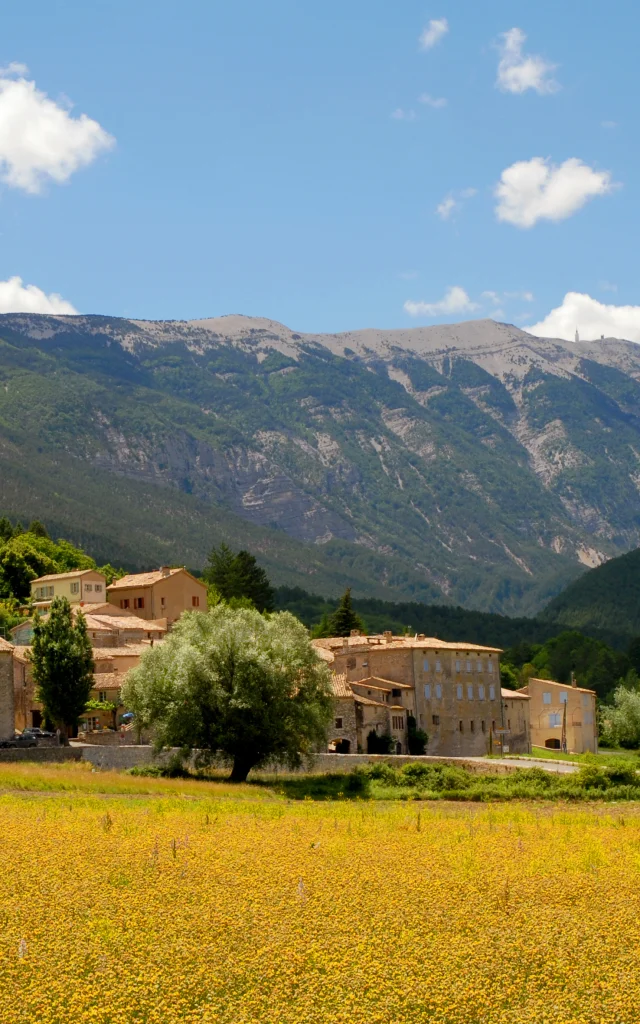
[(385, 688)]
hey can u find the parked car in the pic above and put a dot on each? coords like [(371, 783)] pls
[(35, 730), (21, 739)]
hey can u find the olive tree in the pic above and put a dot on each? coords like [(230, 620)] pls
[(234, 684)]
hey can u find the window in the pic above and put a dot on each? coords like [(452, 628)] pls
[(555, 720), (98, 588), (396, 693), (425, 665), (435, 719), (481, 693), (489, 666), (438, 691), (351, 662), (588, 718), (438, 665), (483, 725), (365, 664), (124, 603), (492, 693), (138, 602), (102, 695), (338, 723), (460, 727), (458, 665), (479, 666), (162, 602), (493, 726), (546, 698), (88, 587), (459, 691), (427, 691), (195, 602), (564, 697), (469, 692), (75, 588), (468, 666), (508, 723), (397, 722), (473, 726), (585, 700)]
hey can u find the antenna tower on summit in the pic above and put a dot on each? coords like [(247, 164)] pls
[(577, 335)]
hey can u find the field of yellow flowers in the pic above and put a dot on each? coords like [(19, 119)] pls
[(235, 906)]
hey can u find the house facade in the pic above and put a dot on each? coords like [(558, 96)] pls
[(517, 722), (452, 690), (562, 716), (84, 586), (6, 690), (163, 594)]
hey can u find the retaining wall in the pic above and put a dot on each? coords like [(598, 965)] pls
[(40, 754)]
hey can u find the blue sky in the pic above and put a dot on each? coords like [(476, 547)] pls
[(277, 160)]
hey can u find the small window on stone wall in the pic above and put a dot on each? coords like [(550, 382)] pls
[(351, 662), (338, 723), (435, 719)]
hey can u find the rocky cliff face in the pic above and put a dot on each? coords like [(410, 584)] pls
[(487, 463)]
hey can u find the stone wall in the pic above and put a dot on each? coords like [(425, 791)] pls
[(6, 693), (40, 754)]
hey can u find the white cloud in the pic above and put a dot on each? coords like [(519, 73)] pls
[(433, 33), (524, 296), (16, 297), (437, 102), (609, 124), (40, 140), (403, 115), (446, 207), (533, 190), (455, 300), (517, 72), (591, 318), (468, 193)]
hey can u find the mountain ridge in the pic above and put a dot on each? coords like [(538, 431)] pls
[(474, 462)]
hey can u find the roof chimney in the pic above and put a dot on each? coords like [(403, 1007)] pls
[(573, 680), (421, 636), (354, 632), (388, 636), (165, 570)]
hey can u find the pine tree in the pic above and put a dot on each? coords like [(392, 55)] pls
[(344, 619), (62, 660), (38, 529), (6, 529), (237, 576), (323, 629)]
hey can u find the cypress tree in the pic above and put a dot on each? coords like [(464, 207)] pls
[(62, 660), (344, 619)]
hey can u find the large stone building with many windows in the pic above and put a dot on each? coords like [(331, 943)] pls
[(451, 690)]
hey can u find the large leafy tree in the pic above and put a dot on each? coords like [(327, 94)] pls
[(236, 684), (62, 663), (621, 721), (344, 619), (237, 576)]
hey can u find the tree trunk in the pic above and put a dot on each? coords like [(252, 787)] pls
[(241, 768)]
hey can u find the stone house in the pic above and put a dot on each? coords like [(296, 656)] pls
[(6, 690), (107, 627), (163, 594), (517, 738), (562, 716), (81, 587), (451, 689)]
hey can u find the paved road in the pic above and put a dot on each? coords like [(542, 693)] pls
[(560, 767)]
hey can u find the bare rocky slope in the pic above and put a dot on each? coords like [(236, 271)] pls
[(469, 463)]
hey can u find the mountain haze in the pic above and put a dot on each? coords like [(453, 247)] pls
[(469, 463)]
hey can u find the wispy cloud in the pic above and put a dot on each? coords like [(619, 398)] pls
[(518, 72), (433, 33), (608, 124), (455, 300), (533, 190), (39, 139), (437, 102), (452, 202), (399, 114)]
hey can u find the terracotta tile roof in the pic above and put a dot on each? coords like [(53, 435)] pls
[(509, 694), (388, 683), (340, 686), (369, 685), (368, 643), (66, 575), (124, 623), (369, 702), (563, 686), (5, 645), (148, 579), (108, 680), (127, 651)]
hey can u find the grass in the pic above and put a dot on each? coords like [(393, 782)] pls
[(604, 756), (242, 908)]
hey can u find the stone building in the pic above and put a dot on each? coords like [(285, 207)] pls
[(517, 738), (451, 689), (6, 690), (164, 593), (562, 716)]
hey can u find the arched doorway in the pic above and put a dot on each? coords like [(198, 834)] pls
[(552, 744)]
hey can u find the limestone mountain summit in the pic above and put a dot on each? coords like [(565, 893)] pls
[(469, 463)]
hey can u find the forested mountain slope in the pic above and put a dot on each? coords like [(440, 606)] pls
[(469, 464), (605, 598)]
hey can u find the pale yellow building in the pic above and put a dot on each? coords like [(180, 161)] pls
[(517, 722), (452, 690), (83, 586), (562, 715), (162, 594)]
